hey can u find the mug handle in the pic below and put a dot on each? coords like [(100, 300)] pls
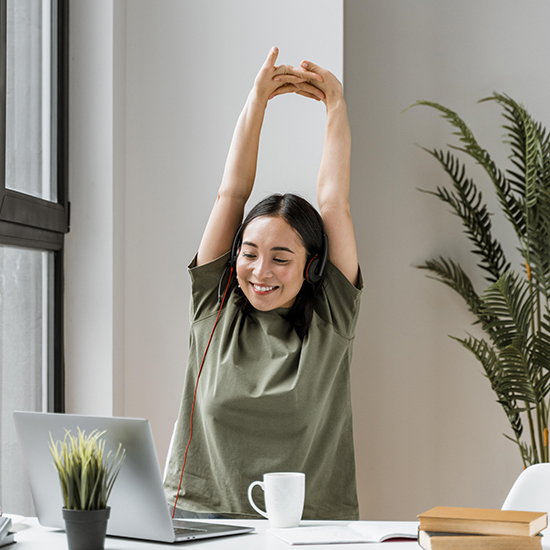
[(250, 499)]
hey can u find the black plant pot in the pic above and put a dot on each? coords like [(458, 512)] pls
[(86, 529)]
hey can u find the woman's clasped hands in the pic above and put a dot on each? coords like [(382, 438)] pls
[(307, 80)]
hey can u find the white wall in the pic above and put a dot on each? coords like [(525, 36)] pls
[(428, 428), (189, 68), (95, 246), (90, 263), (156, 88), (145, 170)]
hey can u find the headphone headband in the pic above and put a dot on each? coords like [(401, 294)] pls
[(235, 248)]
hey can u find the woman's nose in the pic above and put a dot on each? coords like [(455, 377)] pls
[(262, 268)]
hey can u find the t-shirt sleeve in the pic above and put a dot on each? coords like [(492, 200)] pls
[(338, 301), (205, 280)]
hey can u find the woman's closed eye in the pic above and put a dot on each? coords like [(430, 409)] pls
[(252, 256)]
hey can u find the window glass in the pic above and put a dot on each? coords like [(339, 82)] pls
[(26, 315), (29, 98)]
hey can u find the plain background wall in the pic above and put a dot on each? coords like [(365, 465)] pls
[(189, 68), (90, 262), (156, 89), (427, 425)]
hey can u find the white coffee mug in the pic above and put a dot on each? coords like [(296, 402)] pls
[(284, 498)]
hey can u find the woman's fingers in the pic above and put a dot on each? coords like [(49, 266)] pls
[(288, 78), (263, 82), (285, 70), (301, 88), (271, 58), (308, 66), (331, 86), (284, 89), (311, 68), (308, 80), (296, 80), (308, 95), (310, 90), (292, 80)]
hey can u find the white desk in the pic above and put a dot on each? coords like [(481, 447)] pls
[(35, 537)]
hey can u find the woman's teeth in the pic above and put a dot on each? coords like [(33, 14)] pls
[(263, 288)]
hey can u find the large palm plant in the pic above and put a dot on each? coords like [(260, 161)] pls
[(514, 309)]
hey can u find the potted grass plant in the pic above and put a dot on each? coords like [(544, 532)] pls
[(513, 310), (87, 476)]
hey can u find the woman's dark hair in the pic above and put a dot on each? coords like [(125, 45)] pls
[(307, 222)]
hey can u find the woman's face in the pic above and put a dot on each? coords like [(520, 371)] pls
[(271, 262)]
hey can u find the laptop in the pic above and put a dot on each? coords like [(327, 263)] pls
[(138, 503)]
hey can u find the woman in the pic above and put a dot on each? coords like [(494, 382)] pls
[(274, 393)]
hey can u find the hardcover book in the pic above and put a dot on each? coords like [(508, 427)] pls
[(483, 521), (459, 541)]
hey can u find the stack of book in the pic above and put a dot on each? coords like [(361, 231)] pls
[(447, 528)]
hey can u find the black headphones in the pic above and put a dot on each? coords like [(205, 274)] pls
[(315, 267), (313, 272)]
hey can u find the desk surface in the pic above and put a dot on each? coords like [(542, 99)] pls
[(34, 537)]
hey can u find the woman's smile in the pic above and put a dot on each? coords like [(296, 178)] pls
[(270, 265), (263, 289)]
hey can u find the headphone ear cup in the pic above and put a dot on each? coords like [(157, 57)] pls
[(311, 274)]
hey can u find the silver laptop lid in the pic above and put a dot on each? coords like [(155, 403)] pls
[(138, 503)]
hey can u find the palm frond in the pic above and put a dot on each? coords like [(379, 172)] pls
[(514, 310), (509, 303), (530, 145), (526, 146), (538, 237), (511, 206), (527, 452), (495, 372), (517, 376), (451, 274), (540, 355), (467, 204)]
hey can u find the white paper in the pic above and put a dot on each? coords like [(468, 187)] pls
[(356, 532), (378, 531)]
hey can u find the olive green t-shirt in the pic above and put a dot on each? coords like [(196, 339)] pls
[(267, 402)]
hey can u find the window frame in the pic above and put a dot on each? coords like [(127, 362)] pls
[(31, 222)]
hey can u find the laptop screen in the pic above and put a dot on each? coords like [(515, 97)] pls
[(138, 503)]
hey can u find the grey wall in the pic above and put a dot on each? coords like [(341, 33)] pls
[(428, 429)]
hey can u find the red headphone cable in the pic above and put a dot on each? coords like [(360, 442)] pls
[(195, 393)]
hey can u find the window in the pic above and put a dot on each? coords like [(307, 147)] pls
[(33, 221)]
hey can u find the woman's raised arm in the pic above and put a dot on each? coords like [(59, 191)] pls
[(333, 181), (240, 168), (333, 184)]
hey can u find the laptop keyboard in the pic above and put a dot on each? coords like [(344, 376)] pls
[(178, 531)]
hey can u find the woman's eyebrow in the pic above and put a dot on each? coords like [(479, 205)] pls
[(282, 248)]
